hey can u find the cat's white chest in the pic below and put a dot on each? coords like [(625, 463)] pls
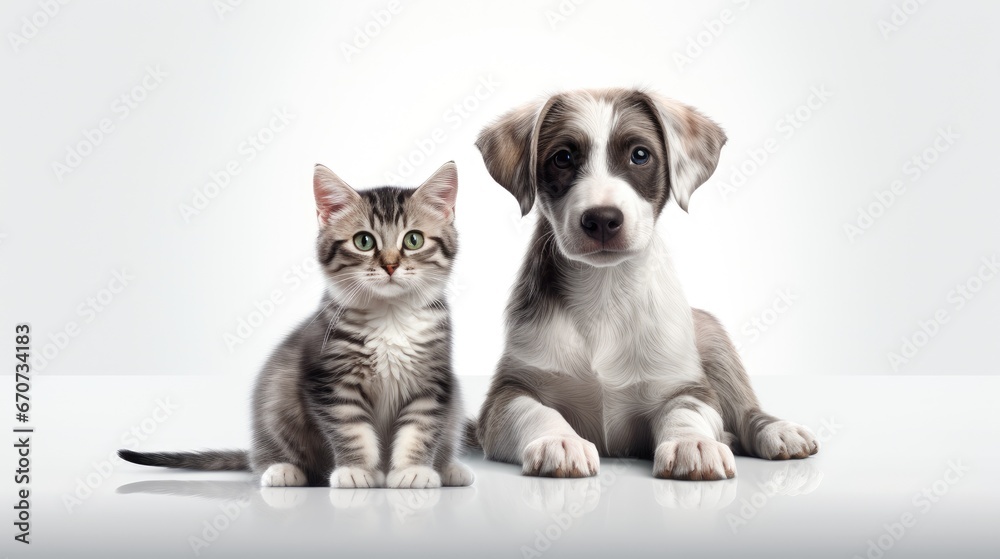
[(393, 342)]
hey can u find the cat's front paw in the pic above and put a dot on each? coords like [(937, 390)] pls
[(694, 458), (351, 477), (560, 456), (283, 475), (283, 497), (413, 477), (784, 440), (457, 474)]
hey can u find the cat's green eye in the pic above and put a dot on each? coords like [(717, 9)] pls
[(413, 240), (364, 241)]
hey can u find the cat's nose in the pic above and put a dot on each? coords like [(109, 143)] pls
[(390, 268)]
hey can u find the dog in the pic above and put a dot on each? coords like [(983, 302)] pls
[(603, 354)]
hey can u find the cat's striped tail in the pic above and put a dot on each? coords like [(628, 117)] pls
[(233, 460)]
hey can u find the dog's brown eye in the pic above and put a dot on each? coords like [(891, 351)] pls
[(640, 156), (563, 159)]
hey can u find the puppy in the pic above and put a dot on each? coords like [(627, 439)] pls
[(603, 354)]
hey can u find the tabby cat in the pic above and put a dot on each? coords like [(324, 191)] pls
[(362, 394)]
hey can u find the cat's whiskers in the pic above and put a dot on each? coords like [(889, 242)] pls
[(427, 279), (321, 311), (348, 296)]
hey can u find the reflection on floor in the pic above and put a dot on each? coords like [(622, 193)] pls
[(905, 470)]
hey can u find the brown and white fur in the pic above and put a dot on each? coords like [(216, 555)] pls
[(604, 356)]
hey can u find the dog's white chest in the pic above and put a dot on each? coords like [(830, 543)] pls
[(642, 346), (638, 326), (621, 333)]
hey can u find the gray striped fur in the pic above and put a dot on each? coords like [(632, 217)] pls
[(362, 393)]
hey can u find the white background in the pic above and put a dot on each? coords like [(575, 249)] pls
[(63, 237)]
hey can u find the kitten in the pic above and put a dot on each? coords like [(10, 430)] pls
[(363, 393)]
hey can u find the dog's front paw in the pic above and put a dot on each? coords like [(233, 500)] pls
[(560, 456), (784, 440), (457, 474), (694, 459), (351, 477), (413, 477), (283, 475)]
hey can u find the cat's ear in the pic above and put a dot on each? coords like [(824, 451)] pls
[(333, 195), (440, 190)]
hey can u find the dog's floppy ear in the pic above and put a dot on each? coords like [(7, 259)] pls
[(509, 147), (693, 143)]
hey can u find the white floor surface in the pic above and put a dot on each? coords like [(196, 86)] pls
[(907, 468)]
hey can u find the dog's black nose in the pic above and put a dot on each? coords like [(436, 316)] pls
[(602, 223)]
